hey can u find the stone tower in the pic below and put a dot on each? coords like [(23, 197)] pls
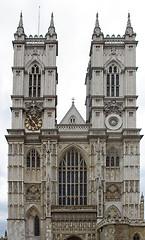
[(111, 111), (76, 180)]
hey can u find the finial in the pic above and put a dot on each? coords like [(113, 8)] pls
[(52, 21), (97, 21), (20, 29), (73, 101), (129, 28), (51, 30), (21, 20), (97, 29), (128, 22)]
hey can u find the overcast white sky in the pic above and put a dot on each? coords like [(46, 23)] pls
[(74, 23)]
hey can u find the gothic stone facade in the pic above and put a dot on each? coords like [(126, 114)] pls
[(76, 179)]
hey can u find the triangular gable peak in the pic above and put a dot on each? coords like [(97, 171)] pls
[(72, 117)]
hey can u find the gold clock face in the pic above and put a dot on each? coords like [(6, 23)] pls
[(33, 123)]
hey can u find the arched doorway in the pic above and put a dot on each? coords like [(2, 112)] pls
[(74, 238)]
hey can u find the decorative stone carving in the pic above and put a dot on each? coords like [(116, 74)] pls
[(113, 107), (34, 108), (33, 193), (71, 226), (15, 187), (109, 234), (112, 212), (113, 193)]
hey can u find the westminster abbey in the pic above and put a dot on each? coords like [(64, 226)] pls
[(77, 179)]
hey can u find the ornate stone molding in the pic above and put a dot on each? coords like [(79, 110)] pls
[(34, 108), (113, 107)]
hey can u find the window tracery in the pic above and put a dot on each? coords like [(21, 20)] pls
[(113, 81), (112, 159), (33, 159), (34, 81), (72, 179)]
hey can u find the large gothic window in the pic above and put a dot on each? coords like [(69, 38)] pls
[(72, 179), (34, 81), (113, 81), (33, 159), (112, 159)]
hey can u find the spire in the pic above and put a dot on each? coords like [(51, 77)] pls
[(51, 30), (129, 28), (20, 29), (52, 21), (21, 21), (97, 30)]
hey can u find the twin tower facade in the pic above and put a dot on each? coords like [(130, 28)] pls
[(76, 180)]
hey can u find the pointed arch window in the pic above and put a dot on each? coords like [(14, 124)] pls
[(34, 81), (113, 81), (36, 226), (33, 159), (136, 237), (72, 179), (112, 159)]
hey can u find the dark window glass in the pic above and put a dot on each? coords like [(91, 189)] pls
[(68, 190), (117, 79), (30, 80), (112, 79), (115, 69), (72, 200), (68, 201), (81, 190), (85, 201), (76, 177), (108, 91), (107, 162), (60, 176), (117, 162), (110, 69), (72, 189), (108, 79), (37, 69), (38, 161), (76, 187), (112, 91), (64, 177), (63, 189), (81, 177), (72, 179), (64, 201), (59, 189), (34, 91), (112, 162), (28, 161), (30, 91), (85, 177), (36, 226)]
